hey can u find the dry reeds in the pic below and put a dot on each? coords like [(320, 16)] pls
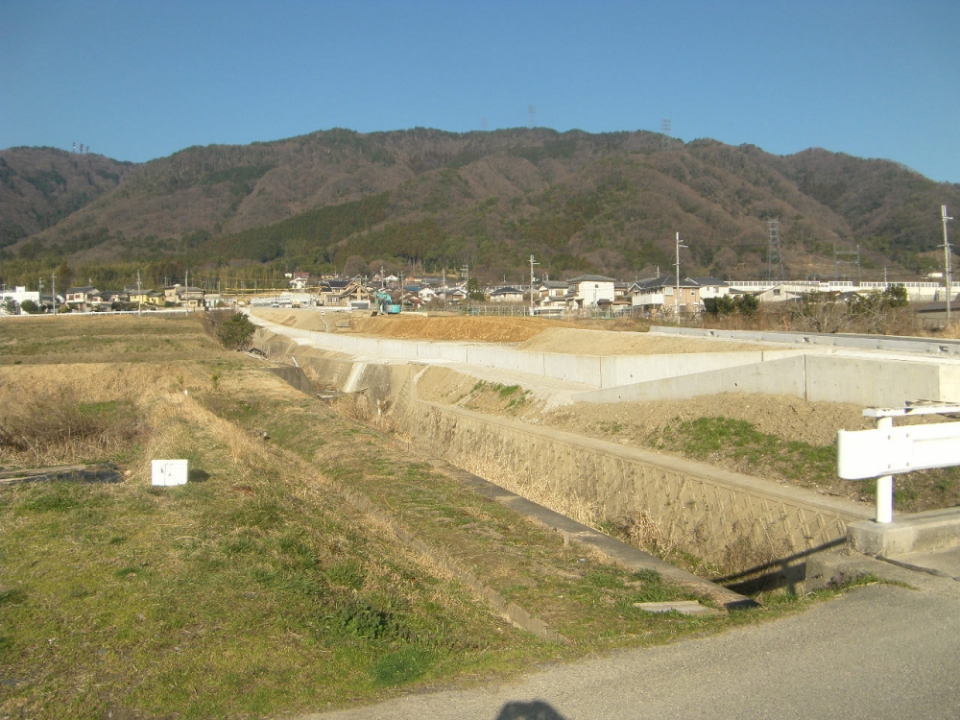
[(53, 420)]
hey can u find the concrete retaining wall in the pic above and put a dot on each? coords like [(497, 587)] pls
[(874, 383), (815, 377), (592, 370), (714, 514), (777, 377)]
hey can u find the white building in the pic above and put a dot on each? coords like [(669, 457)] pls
[(19, 294), (590, 291)]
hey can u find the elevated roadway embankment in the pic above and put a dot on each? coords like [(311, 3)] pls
[(834, 373), (597, 371)]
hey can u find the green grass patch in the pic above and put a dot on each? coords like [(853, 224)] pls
[(403, 666), (713, 438)]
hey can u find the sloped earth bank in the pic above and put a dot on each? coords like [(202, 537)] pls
[(778, 422)]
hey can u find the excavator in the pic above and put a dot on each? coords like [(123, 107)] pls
[(385, 304)]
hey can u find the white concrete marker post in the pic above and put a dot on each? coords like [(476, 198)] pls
[(170, 472), (889, 450)]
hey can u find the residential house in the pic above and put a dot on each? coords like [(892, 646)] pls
[(353, 292), (551, 297), (191, 298), (299, 280), (139, 297), (170, 294), (658, 296), (505, 295), (20, 294), (590, 291), (551, 291), (455, 294), (82, 296), (711, 287), (331, 291), (110, 298)]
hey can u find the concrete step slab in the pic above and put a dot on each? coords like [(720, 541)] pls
[(684, 607), (945, 563)]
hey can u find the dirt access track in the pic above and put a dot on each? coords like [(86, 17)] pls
[(790, 419)]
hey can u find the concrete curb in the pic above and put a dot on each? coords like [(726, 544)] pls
[(920, 532)]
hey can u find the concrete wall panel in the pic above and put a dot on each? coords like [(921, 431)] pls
[(871, 383), (583, 369), (630, 369), (784, 376)]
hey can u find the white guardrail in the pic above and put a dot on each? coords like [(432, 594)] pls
[(887, 450)]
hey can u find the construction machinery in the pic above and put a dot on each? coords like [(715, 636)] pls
[(385, 304)]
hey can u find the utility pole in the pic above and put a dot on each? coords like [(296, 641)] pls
[(532, 263), (947, 279), (53, 291), (676, 299), (139, 294)]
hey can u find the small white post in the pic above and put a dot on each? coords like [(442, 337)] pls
[(884, 483)]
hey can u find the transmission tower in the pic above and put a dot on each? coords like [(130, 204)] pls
[(844, 259), (774, 259), (533, 116), (665, 129)]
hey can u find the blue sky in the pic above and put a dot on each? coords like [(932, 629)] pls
[(141, 79)]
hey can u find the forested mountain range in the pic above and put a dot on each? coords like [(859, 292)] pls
[(338, 200)]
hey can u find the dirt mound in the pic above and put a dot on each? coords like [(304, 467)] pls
[(415, 327), (481, 329), (604, 342), (535, 334), (301, 319)]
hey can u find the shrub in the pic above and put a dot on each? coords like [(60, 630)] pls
[(235, 331)]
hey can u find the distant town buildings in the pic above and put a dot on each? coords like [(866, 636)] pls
[(655, 297)]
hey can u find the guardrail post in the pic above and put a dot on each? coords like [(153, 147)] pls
[(884, 483)]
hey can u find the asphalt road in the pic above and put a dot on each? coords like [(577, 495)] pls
[(879, 652)]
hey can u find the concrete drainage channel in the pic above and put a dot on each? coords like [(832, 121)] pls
[(705, 511)]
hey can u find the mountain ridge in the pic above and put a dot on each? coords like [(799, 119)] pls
[(608, 203)]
